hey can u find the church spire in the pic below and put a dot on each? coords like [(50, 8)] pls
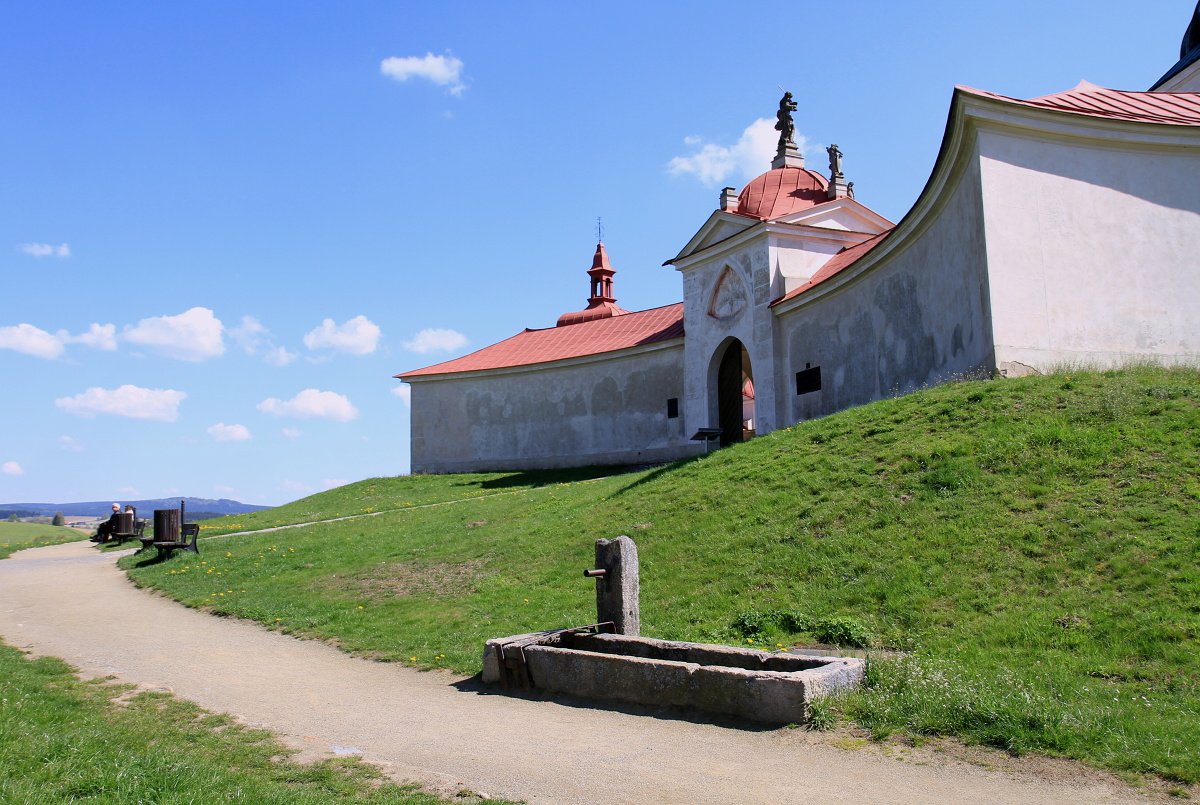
[(602, 304), (601, 273)]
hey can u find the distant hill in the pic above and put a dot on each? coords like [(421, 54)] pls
[(102, 508)]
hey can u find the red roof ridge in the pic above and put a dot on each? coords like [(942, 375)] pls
[(835, 265), (1091, 100), (595, 337)]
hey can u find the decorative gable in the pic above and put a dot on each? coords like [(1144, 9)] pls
[(719, 227), (845, 214), (729, 296)]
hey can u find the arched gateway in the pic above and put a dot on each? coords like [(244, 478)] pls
[(735, 394)]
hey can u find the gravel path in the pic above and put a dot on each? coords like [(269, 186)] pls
[(70, 601)]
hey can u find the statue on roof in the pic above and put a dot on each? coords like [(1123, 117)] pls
[(835, 162), (784, 123), (1191, 38)]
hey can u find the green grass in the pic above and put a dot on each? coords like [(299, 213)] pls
[(19, 536), (1031, 545), (63, 740), (387, 494)]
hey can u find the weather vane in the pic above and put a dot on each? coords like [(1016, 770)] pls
[(599, 230)]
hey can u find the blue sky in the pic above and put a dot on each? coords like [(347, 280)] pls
[(225, 225)]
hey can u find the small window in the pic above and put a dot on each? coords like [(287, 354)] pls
[(809, 380), (673, 408)]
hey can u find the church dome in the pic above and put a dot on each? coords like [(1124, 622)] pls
[(781, 191)]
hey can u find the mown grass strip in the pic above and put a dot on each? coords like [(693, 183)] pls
[(19, 536), (63, 740)]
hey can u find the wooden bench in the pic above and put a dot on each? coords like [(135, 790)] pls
[(128, 526), (166, 521), (187, 530)]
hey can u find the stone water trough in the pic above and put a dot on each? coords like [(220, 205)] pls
[(772, 687), (756, 685)]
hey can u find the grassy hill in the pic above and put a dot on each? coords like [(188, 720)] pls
[(1030, 546), (18, 536)]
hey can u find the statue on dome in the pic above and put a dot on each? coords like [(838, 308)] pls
[(835, 162), (784, 124)]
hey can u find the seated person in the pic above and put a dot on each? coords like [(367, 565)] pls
[(106, 529)]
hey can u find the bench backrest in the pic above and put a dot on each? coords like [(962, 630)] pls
[(125, 523)]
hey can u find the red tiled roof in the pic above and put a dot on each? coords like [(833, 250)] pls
[(781, 191), (594, 310), (573, 341), (839, 261), (1172, 108)]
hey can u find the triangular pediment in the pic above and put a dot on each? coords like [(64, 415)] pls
[(841, 213), (720, 226)]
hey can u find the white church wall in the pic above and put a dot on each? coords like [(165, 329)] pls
[(1093, 246), (915, 315), (604, 409), (797, 260), (725, 296)]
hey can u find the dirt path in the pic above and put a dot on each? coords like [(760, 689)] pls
[(70, 601)]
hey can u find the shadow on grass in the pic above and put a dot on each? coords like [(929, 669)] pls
[(535, 478), (475, 684), (660, 471), (154, 558)]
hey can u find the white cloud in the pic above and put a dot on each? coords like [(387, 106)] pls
[(193, 335), (250, 334), (229, 433), (436, 340), (291, 433), (445, 71), (41, 344), (311, 404), (296, 486), (404, 392), (330, 483), (11, 468), (128, 490), (224, 490), (98, 336), (278, 356), (67, 443), (31, 340), (131, 401), (41, 250), (254, 338), (358, 336), (749, 157)]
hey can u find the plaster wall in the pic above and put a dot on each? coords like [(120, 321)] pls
[(796, 261), (1093, 248), (748, 265), (916, 317), (603, 410)]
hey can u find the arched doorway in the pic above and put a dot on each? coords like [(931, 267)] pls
[(735, 394)]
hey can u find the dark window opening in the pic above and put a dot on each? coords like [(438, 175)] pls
[(808, 380), (673, 408)]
